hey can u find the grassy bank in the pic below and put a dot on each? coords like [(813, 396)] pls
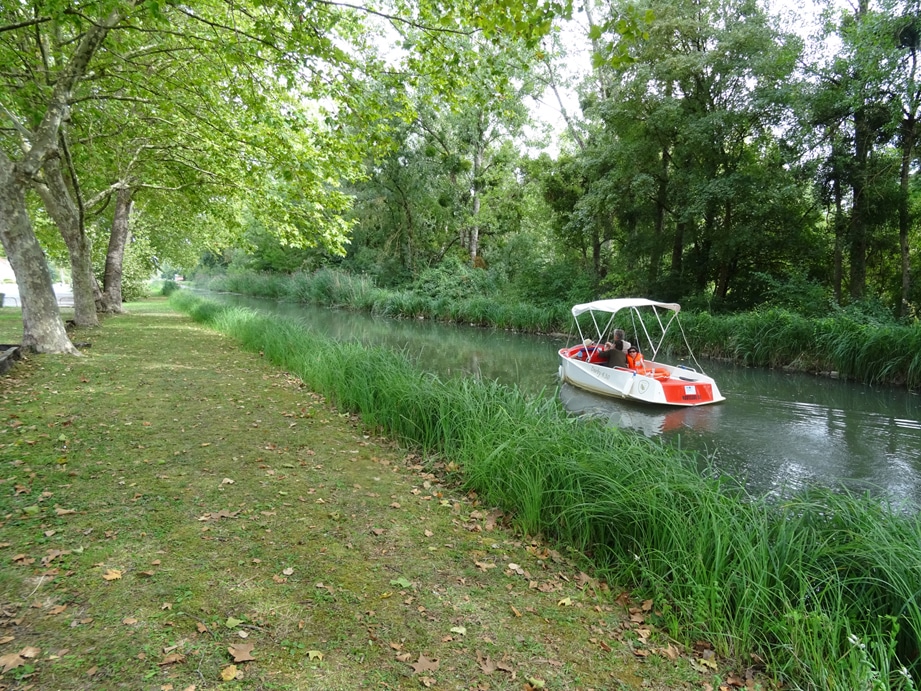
[(853, 348), (823, 586), (175, 512)]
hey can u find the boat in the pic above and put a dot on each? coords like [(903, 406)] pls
[(646, 378)]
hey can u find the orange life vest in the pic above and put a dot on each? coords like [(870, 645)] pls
[(635, 361)]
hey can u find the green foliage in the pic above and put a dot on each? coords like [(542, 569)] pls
[(137, 269), (453, 279), (547, 284), (822, 585), (797, 293), (169, 287)]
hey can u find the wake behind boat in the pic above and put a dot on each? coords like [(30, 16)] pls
[(598, 365)]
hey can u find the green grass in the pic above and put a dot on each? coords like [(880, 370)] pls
[(234, 499), (824, 586)]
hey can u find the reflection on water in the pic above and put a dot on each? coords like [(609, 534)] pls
[(776, 431)]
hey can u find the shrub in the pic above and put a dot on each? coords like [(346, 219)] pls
[(168, 288)]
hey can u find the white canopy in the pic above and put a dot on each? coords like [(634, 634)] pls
[(615, 305)]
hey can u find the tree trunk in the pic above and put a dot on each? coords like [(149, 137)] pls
[(474, 239), (118, 240), (908, 145), (838, 269), (43, 329), (61, 207), (860, 187)]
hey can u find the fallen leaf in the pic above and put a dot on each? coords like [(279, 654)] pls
[(314, 655), (11, 661), (172, 659), (424, 664), (57, 609), (201, 627), (242, 652), (671, 652), (232, 623), (129, 621), (229, 673), (462, 630), (112, 574)]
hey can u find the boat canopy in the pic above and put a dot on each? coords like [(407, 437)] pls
[(615, 305)]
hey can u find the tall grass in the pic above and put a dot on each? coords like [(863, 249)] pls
[(823, 586)]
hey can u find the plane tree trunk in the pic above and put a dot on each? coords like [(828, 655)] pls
[(65, 213), (111, 300), (43, 329)]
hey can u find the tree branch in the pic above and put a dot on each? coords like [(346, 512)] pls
[(22, 25)]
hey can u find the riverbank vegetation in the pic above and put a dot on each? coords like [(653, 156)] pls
[(862, 345), (823, 586)]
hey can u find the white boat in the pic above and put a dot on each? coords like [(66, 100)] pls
[(648, 380)]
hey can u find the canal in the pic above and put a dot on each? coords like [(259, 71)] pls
[(777, 432)]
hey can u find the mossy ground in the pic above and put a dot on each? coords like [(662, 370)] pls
[(169, 501)]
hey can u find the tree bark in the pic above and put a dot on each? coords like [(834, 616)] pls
[(63, 210), (863, 144), (908, 145), (43, 329), (115, 256), (474, 237)]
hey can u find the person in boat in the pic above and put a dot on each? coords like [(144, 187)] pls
[(634, 358), (615, 354)]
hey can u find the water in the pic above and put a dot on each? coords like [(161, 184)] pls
[(777, 432)]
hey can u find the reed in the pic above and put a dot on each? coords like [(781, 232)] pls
[(824, 586)]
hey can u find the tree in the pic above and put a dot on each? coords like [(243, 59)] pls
[(37, 136), (688, 124)]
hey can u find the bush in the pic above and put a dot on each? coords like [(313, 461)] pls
[(169, 287)]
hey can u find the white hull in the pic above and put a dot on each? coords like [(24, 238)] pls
[(668, 385)]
